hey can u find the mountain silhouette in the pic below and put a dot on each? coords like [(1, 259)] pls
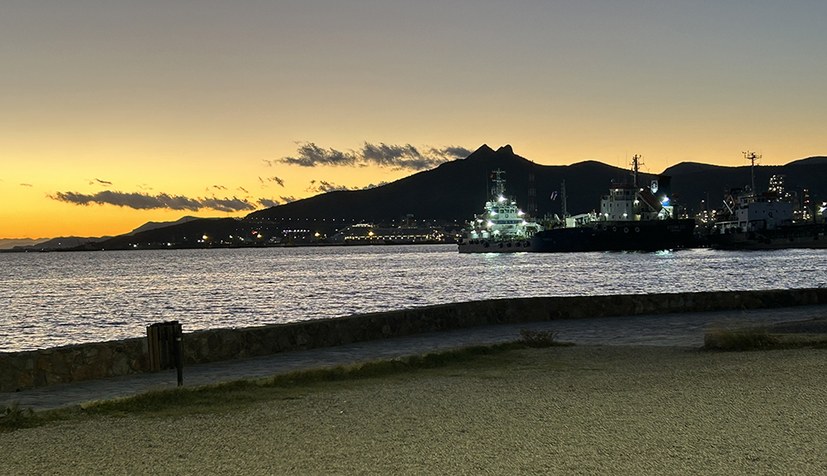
[(456, 190)]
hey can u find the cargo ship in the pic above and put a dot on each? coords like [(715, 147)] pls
[(632, 218), (766, 221)]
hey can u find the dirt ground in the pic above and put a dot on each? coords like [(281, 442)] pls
[(560, 410)]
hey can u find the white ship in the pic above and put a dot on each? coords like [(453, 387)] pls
[(502, 227)]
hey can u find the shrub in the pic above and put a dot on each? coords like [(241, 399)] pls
[(534, 338), (13, 417)]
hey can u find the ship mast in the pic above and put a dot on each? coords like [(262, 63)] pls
[(637, 161), (752, 157), (499, 184), (563, 199)]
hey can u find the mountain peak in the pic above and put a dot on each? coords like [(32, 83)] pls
[(506, 149)]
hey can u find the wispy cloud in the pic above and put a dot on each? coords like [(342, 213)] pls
[(393, 156), (219, 187), (142, 201), (374, 185), (26, 185), (323, 186), (267, 203), (311, 155), (287, 198), (98, 181), (276, 180)]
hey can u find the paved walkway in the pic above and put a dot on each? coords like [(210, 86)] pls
[(686, 329)]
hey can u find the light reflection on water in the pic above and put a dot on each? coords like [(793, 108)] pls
[(50, 299)]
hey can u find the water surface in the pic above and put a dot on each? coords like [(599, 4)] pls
[(50, 299)]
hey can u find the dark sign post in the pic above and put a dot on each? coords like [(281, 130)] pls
[(165, 345)]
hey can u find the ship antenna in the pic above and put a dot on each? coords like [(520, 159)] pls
[(753, 158), (563, 198), (637, 161), (499, 183)]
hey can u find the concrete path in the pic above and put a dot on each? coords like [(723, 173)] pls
[(686, 329)]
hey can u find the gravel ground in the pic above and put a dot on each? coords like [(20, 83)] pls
[(564, 410)]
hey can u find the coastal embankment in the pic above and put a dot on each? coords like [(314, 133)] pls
[(22, 370)]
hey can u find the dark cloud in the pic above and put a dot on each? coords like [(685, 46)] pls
[(242, 189), (323, 186), (233, 204), (267, 203), (393, 156), (142, 201), (287, 198), (453, 152), (26, 185), (311, 155), (103, 182), (275, 180), (374, 185), (219, 187)]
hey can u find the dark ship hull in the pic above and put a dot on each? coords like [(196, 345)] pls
[(811, 236), (649, 235), (494, 246)]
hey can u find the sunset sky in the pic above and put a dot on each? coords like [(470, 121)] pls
[(114, 113)]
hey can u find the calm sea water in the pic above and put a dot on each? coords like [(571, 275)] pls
[(51, 299)]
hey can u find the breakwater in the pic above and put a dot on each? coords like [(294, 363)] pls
[(21, 370)]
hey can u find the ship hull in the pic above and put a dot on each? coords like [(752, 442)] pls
[(651, 235), (494, 246), (809, 236)]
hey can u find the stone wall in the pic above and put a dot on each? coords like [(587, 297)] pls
[(22, 370)]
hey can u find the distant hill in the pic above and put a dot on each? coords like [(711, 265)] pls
[(457, 190), (9, 243), (152, 225), (200, 232), (62, 243)]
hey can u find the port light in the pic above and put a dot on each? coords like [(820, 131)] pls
[(664, 201), (501, 199)]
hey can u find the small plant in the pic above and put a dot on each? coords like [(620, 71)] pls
[(534, 338), (13, 417), (740, 339)]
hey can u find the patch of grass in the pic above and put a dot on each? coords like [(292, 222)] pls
[(223, 397), (740, 339), (532, 338), (13, 417)]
